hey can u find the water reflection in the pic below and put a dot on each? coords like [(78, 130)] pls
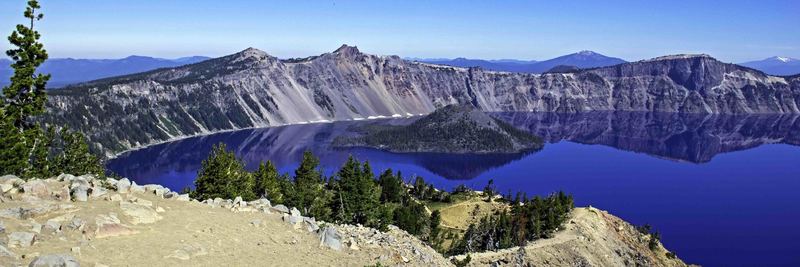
[(681, 137)]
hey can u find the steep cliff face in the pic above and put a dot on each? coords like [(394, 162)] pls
[(254, 89)]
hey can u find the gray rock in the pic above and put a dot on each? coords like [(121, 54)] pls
[(295, 212), (123, 185), (5, 253), (135, 188), (98, 191), (37, 188), (239, 202), (311, 224), (280, 208), (36, 227), (55, 260), (139, 214), (183, 197), (329, 237), (21, 239), (80, 193), (52, 225), (76, 224), (65, 177), (169, 195)]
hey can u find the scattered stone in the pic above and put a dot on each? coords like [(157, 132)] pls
[(98, 191), (123, 185), (280, 208), (54, 261), (187, 252), (330, 238), (110, 225), (143, 202), (239, 202), (311, 223), (114, 198), (136, 188), (6, 187), (80, 193), (76, 224), (62, 194), (139, 214), (4, 252), (183, 197), (256, 223), (160, 209), (36, 228), (37, 188), (169, 195), (52, 226), (2, 227), (64, 177), (21, 239)]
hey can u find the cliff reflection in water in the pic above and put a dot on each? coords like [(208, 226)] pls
[(683, 137)]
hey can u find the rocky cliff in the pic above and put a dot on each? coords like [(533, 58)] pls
[(254, 89)]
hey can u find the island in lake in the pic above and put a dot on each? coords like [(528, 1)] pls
[(450, 129)]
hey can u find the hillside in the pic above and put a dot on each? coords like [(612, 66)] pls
[(119, 223), (451, 129), (254, 89), (65, 71)]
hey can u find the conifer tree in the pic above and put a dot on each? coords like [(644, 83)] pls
[(76, 157), (267, 182), (23, 98), (310, 194), (358, 194), (222, 175)]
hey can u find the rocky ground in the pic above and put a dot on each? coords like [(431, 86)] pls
[(72, 221), (591, 237)]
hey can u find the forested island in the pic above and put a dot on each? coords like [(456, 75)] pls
[(450, 129)]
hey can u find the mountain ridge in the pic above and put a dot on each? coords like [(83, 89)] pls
[(776, 65), (253, 89)]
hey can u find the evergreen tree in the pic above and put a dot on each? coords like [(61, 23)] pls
[(76, 157), (267, 182), (392, 187), (310, 194), (23, 98), (223, 175), (358, 194)]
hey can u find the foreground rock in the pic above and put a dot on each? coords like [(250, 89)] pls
[(132, 225)]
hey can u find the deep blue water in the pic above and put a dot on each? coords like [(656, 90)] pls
[(722, 190)]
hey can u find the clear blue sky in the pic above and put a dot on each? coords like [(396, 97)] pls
[(732, 30)]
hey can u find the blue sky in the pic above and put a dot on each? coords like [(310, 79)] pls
[(732, 31)]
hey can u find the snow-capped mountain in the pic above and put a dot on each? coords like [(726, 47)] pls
[(254, 89), (776, 65), (66, 71)]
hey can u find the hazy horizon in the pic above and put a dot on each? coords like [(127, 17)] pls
[(736, 31)]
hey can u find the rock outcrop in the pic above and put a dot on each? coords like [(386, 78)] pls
[(254, 89)]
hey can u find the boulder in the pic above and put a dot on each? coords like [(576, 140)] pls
[(55, 260), (110, 225), (311, 224), (36, 227), (280, 208), (21, 239), (37, 188), (80, 193), (52, 226), (2, 227), (64, 177), (123, 185), (329, 237), (139, 214), (135, 188), (98, 191), (239, 202), (143, 202), (62, 194), (76, 224), (183, 197)]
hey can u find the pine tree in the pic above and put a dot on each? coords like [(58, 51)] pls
[(358, 194), (76, 157), (222, 175), (23, 98), (267, 182), (392, 188), (310, 194)]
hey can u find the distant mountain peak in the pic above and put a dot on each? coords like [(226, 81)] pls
[(587, 53), (250, 53), (783, 59), (680, 56), (347, 50)]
